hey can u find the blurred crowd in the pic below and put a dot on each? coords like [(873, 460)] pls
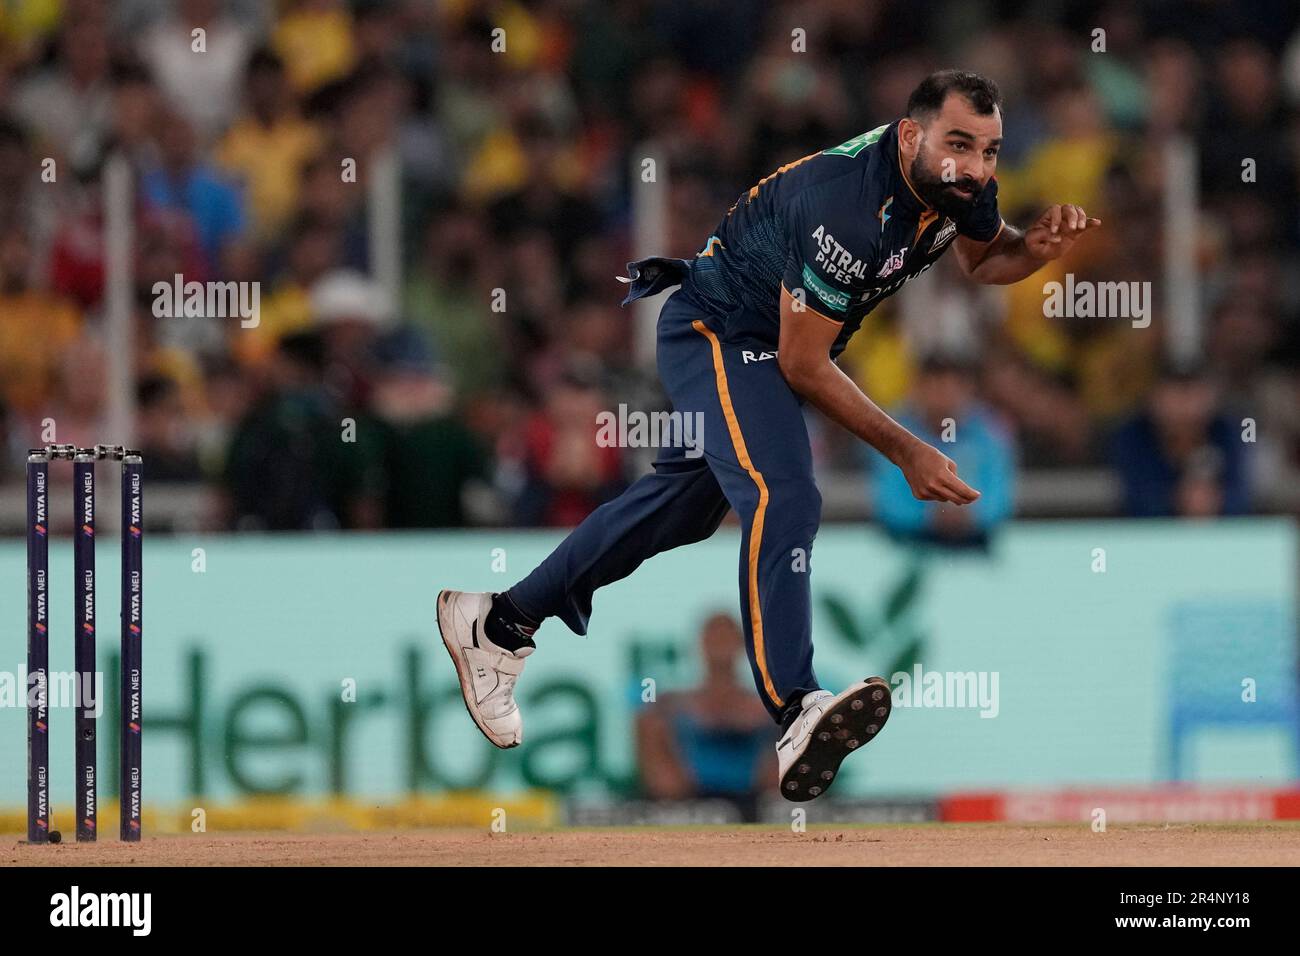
[(471, 396)]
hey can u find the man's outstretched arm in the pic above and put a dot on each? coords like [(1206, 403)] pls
[(1014, 255), (804, 355)]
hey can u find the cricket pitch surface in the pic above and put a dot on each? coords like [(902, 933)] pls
[(965, 844)]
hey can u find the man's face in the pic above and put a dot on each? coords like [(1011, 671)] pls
[(721, 643), (956, 154)]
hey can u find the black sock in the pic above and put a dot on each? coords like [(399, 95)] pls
[(507, 626), (792, 712)]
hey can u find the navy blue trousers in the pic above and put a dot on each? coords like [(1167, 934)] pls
[(757, 461)]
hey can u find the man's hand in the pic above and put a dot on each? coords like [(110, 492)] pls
[(1056, 230), (1013, 255), (932, 476)]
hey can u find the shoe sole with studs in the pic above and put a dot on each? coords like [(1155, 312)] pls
[(855, 720)]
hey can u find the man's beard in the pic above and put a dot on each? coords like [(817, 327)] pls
[(941, 195)]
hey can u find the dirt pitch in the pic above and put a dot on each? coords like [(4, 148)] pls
[(1275, 844)]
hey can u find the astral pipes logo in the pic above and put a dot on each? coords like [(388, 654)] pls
[(131, 910)]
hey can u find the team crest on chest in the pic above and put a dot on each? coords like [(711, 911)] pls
[(944, 235), (893, 263)]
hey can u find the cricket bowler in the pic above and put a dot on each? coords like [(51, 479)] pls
[(763, 311)]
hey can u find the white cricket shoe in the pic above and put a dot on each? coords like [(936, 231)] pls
[(487, 672), (828, 729)]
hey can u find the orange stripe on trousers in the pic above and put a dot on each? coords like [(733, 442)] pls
[(756, 527)]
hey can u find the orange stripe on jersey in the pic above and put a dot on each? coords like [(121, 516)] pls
[(786, 168), (923, 224), (805, 307)]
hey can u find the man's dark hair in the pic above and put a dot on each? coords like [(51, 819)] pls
[(927, 99)]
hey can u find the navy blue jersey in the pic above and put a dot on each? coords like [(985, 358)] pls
[(842, 229)]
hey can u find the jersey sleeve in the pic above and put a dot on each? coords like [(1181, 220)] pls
[(822, 255), (984, 222)]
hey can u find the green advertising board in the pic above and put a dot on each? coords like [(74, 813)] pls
[(1116, 653)]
